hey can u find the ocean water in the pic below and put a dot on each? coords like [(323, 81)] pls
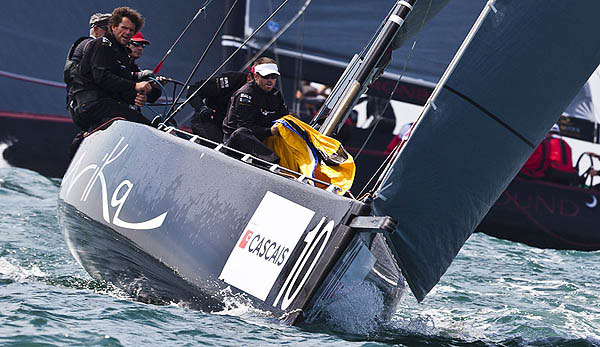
[(496, 293)]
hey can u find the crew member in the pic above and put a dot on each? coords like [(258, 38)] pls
[(137, 45), (537, 164), (552, 160), (253, 109), (104, 86), (560, 162), (98, 27), (211, 103)]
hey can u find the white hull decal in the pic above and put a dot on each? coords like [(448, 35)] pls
[(265, 245), (312, 240), (115, 201)]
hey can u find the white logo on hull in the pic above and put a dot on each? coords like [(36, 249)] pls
[(115, 201)]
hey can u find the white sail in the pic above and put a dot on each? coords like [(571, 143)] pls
[(586, 104), (480, 126)]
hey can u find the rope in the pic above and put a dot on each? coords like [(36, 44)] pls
[(187, 81), (276, 37), (160, 63)]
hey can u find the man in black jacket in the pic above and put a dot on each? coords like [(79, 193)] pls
[(104, 86), (252, 111), (98, 27), (212, 101)]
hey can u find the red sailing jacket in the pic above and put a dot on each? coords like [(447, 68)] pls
[(536, 165), (554, 153), (559, 156)]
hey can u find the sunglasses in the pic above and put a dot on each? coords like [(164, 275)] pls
[(138, 44), (270, 77)]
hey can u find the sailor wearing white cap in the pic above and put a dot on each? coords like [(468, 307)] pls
[(253, 109)]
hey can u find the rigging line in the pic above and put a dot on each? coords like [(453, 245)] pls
[(490, 115), (396, 86), (160, 63), (279, 82), (187, 81), (281, 32), (390, 99), (226, 61), (298, 65)]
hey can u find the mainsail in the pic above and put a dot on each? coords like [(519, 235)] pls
[(479, 126)]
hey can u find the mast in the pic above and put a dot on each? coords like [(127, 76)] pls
[(360, 71), (234, 29)]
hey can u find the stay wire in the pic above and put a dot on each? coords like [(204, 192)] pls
[(392, 154), (160, 63), (279, 83), (225, 62), (276, 37), (187, 81), (298, 65)]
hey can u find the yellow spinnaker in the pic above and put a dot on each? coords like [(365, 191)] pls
[(303, 149)]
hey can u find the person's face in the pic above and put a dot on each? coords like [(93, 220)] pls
[(99, 31), (266, 83), (124, 31), (137, 49)]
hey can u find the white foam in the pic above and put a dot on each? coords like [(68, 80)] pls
[(238, 305), (357, 310), (18, 273), (3, 147)]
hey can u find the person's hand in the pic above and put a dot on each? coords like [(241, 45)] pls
[(143, 75), (143, 87), (140, 99), (274, 130), (593, 155), (594, 172)]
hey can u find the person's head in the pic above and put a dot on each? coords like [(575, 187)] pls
[(99, 24), (137, 44), (265, 73), (124, 23), (555, 130)]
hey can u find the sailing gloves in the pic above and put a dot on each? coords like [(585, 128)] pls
[(143, 75)]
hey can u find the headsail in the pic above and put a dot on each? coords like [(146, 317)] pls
[(479, 126)]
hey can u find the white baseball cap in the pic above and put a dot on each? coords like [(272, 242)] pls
[(266, 69)]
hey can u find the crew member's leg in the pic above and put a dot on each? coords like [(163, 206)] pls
[(243, 139), (107, 109), (206, 124)]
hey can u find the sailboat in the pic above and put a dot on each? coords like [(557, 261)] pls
[(551, 215), (168, 216)]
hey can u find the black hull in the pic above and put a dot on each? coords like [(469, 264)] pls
[(546, 215), (107, 256), (188, 220), (37, 142)]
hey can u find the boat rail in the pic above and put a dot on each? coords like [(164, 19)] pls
[(254, 161)]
